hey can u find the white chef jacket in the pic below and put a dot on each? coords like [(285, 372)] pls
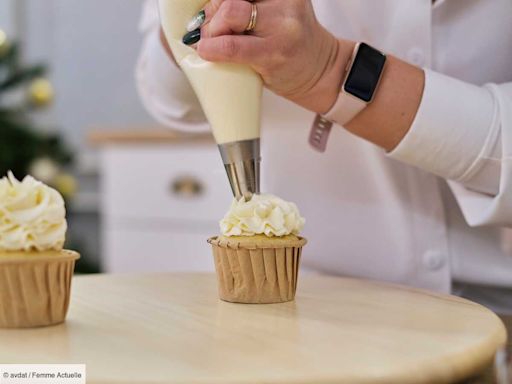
[(391, 217)]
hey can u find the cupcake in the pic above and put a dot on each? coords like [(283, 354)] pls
[(35, 272), (258, 254)]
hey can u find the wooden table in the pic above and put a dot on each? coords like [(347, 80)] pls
[(171, 328), (148, 135)]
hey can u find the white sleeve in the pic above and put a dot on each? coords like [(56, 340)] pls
[(463, 133), (162, 86)]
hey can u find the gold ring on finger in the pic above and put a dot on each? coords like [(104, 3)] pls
[(253, 19)]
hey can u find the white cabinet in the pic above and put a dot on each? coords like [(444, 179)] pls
[(160, 203), (133, 248)]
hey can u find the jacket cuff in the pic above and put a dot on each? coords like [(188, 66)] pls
[(454, 130)]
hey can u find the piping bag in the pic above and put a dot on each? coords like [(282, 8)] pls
[(230, 95)]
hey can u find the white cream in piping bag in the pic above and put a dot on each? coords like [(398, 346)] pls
[(32, 216), (262, 215), (230, 94)]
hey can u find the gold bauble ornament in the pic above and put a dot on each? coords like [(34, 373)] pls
[(4, 43), (44, 169), (66, 184), (40, 92)]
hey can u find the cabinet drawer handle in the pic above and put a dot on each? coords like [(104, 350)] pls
[(187, 187)]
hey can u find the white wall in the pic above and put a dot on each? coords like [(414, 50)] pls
[(7, 17), (91, 47)]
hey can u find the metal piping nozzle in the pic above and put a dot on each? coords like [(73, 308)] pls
[(242, 163)]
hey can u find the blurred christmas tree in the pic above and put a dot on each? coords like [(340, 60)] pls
[(25, 148)]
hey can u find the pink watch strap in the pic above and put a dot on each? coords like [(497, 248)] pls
[(320, 133), (345, 109)]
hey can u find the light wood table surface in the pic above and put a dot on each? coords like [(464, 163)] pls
[(171, 328), (124, 136)]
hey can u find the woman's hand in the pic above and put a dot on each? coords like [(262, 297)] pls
[(300, 60), (296, 57)]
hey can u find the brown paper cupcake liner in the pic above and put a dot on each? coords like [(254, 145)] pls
[(257, 273), (35, 290)]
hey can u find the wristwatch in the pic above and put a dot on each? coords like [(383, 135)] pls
[(362, 75)]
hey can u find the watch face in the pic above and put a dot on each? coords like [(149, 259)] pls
[(365, 73)]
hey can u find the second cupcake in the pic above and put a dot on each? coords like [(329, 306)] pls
[(35, 272)]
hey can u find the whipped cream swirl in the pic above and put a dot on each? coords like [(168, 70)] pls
[(32, 216), (263, 214)]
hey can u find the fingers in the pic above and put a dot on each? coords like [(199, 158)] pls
[(204, 15), (231, 17), (212, 7), (242, 49), (221, 38), (226, 17)]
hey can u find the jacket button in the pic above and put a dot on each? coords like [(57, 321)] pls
[(434, 260), (416, 56)]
